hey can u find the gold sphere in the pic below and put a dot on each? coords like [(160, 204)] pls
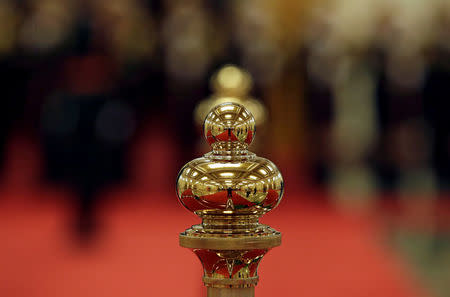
[(229, 126)]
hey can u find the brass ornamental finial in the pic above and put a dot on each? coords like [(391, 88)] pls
[(230, 188)]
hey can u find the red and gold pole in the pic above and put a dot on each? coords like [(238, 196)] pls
[(230, 188)]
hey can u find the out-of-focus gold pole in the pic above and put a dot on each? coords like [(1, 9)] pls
[(231, 84)]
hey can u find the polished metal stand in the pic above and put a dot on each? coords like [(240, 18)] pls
[(230, 188)]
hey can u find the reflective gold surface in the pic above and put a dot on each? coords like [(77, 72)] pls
[(230, 188), (230, 179), (230, 264), (229, 128)]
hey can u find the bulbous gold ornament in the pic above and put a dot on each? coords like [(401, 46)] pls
[(230, 178), (230, 188)]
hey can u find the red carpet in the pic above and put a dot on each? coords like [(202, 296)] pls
[(324, 253), (137, 253)]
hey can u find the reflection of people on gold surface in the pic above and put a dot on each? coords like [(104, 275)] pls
[(230, 188), (230, 177)]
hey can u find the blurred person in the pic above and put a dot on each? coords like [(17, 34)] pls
[(85, 129), (256, 39), (12, 74), (405, 39), (354, 132), (131, 30), (320, 112), (437, 94), (190, 51), (47, 26), (319, 69), (341, 72)]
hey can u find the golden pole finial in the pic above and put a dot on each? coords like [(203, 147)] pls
[(230, 188)]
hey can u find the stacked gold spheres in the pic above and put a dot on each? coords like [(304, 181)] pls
[(230, 188)]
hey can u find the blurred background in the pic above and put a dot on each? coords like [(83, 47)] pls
[(98, 113)]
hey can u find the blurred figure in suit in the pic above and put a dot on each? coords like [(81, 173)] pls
[(86, 129)]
